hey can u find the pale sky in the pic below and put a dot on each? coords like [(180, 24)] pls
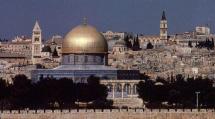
[(138, 16)]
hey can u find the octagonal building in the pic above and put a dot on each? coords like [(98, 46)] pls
[(85, 53)]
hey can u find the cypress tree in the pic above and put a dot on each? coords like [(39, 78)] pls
[(55, 54), (149, 46), (212, 43), (136, 45), (127, 41), (190, 44)]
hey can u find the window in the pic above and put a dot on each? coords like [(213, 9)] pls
[(36, 32), (36, 39), (85, 59), (94, 58), (76, 58), (68, 59)]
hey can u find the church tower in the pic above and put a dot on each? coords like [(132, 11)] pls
[(163, 27), (36, 43)]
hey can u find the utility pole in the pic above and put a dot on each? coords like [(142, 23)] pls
[(197, 99)]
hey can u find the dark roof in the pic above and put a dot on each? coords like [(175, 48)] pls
[(163, 16), (46, 49)]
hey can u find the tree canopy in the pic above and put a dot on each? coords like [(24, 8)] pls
[(149, 46), (180, 93), (209, 44), (136, 44), (51, 93)]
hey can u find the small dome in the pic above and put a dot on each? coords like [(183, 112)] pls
[(84, 39)]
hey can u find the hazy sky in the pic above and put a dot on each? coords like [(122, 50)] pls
[(138, 16)]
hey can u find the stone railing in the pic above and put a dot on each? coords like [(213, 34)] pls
[(109, 114), (44, 111)]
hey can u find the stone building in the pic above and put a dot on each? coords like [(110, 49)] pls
[(156, 39), (163, 27), (85, 53), (55, 43), (119, 47), (109, 35), (36, 43), (20, 45)]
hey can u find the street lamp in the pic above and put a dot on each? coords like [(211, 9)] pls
[(197, 99)]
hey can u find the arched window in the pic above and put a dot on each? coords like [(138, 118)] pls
[(127, 88), (76, 58), (135, 89), (68, 59), (118, 87), (109, 87), (85, 58)]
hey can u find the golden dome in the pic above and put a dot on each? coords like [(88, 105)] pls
[(84, 39)]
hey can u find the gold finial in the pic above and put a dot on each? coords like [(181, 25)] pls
[(85, 20)]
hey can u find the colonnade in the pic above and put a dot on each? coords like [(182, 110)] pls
[(121, 88)]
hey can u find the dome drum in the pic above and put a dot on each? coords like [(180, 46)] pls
[(87, 59), (80, 50)]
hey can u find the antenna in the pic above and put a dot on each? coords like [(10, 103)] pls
[(85, 21)]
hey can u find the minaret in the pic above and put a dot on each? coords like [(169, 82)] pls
[(163, 27), (36, 43)]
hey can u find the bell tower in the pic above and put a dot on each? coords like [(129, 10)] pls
[(163, 27), (36, 43)]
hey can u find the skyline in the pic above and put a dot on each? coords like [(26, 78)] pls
[(125, 59), (138, 16)]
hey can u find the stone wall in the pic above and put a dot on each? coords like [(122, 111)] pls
[(128, 102), (108, 114)]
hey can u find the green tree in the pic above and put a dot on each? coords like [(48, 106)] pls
[(47, 92), (55, 53), (149, 46), (66, 92), (20, 91), (92, 91), (4, 92), (190, 44), (136, 45), (144, 76)]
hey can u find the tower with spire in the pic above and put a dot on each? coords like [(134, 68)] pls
[(163, 27), (36, 43)]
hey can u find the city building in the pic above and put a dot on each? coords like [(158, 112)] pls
[(156, 40), (55, 43), (110, 35), (20, 45), (119, 47), (85, 53), (36, 43), (203, 30), (163, 27)]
